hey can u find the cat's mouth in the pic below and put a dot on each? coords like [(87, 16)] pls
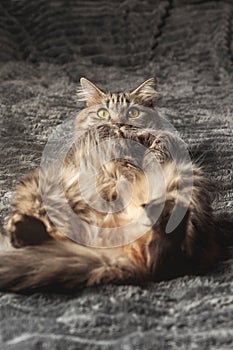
[(122, 127)]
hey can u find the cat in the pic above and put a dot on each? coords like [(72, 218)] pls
[(53, 251)]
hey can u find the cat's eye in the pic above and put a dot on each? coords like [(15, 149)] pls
[(103, 113), (133, 113)]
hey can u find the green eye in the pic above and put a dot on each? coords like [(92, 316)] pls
[(133, 112), (103, 113)]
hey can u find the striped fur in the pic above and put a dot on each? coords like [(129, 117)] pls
[(44, 257)]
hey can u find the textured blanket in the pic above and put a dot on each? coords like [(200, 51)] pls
[(45, 47)]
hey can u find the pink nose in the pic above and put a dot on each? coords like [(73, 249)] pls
[(116, 119)]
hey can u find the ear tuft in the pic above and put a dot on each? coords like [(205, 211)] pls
[(89, 93), (145, 93)]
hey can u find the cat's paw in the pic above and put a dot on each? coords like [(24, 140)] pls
[(158, 147), (26, 230), (144, 137)]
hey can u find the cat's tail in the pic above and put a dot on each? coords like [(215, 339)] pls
[(63, 265)]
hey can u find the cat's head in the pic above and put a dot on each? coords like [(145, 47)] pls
[(115, 108)]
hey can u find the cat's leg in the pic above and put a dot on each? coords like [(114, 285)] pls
[(200, 244), (192, 245), (165, 257), (184, 238), (29, 223), (164, 146)]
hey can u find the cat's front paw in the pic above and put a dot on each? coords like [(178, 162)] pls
[(26, 230), (158, 146)]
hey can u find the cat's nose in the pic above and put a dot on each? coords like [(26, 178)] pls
[(116, 119), (118, 125)]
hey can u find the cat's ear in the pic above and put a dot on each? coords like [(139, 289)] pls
[(145, 93), (89, 93)]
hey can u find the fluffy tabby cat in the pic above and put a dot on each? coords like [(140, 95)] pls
[(48, 258)]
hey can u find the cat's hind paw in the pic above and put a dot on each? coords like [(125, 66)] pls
[(26, 230)]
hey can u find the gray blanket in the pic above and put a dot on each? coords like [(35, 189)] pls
[(45, 47)]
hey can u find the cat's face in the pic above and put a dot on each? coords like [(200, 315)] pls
[(121, 108)]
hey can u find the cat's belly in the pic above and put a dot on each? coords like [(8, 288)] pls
[(114, 212)]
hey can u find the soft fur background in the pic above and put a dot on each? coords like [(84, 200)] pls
[(45, 47)]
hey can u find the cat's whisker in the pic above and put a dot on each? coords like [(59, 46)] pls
[(129, 204)]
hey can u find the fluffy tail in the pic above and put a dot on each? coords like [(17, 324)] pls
[(63, 265)]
